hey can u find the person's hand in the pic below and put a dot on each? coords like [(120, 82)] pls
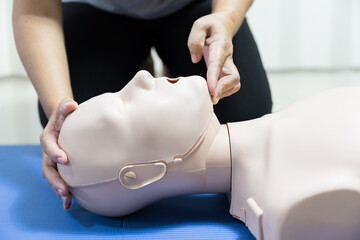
[(51, 152), (211, 37)]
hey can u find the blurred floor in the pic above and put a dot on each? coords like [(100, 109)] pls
[(18, 102)]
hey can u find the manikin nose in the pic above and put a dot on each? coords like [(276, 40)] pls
[(173, 80), (144, 79)]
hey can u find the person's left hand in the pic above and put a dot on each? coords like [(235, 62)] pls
[(51, 152), (211, 36)]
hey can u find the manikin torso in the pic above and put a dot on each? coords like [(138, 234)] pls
[(294, 174)]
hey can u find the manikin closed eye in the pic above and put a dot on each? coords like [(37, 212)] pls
[(293, 175)]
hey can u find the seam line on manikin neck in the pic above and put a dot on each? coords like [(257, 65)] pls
[(228, 131), (189, 152), (195, 145)]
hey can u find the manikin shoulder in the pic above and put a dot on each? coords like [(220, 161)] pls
[(287, 164), (319, 129)]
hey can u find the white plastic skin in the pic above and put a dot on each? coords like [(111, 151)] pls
[(118, 145), (294, 174)]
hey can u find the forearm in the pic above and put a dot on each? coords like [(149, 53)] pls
[(40, 43), (235, 10)]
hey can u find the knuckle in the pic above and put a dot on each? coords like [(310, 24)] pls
[(226, 45), (237, 78), (198, 23), (229, 49), (44, 145), (237, 87), (43, 172), (56, 126)]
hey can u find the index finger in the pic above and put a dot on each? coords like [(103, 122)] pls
[(215, 59), (196, 40), (53, 178), (49, 145)]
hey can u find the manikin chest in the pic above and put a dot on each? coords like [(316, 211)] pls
[(302, 180)]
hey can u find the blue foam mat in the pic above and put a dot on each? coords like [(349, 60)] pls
[(29, 209)]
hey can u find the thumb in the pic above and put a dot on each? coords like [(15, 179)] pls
[(65, 107)]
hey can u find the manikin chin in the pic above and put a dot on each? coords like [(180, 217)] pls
[(292, 175)]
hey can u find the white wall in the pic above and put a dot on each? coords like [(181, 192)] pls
[(19, 122), (4, 39), (291, 35), (10, 64), (307, 34)]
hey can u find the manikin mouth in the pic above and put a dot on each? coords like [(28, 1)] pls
[(173, 80)]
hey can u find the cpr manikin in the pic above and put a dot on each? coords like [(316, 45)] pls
[(293, 175)]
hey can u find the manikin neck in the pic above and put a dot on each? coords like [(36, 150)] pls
[(235, 142), (208, 168), (218, 160), (250, 152)]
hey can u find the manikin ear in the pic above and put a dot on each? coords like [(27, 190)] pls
[(138, 175), (135, 176)]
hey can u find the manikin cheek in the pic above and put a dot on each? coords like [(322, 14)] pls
[(136, 90)]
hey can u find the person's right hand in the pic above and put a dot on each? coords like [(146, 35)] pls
[(52, 153)]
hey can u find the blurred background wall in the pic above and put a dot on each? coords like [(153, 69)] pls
[(10, 64), (306, 46), (307, 34), (19, 122)]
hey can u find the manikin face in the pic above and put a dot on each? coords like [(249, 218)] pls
[(149, 120)]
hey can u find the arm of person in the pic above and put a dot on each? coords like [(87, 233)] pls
[(40, 42), (211, 37)]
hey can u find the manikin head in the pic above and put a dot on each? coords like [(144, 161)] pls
[(121, 144)]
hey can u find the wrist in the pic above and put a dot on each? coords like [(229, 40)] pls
[(232, 12), (230, 22)]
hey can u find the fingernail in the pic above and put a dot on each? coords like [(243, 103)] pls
[(66, 104), (69, 103), (60, 160), (64, 107), (194, 58), (63, 199), (217, 94), (59, 191), (214, 100)]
